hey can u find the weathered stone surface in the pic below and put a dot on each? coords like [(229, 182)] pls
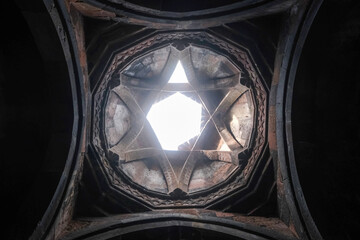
[(148, 66), (147, 174), (209, 173), (240, 118), (117, 119)]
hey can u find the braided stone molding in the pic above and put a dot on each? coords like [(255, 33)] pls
[(240, 177)]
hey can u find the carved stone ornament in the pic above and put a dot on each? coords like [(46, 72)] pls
[(224, 83)]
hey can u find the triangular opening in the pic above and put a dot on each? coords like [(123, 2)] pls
[(178, 75)]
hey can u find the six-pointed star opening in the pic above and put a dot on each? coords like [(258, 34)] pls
[(187, 116), (177, 118)]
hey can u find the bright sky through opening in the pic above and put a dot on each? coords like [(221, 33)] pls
[(175, 119), (178, 75)]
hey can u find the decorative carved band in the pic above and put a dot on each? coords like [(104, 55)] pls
[(242, 60)]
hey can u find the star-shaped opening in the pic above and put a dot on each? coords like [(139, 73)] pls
[(175, 119)]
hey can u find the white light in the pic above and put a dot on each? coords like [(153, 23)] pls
[(178, 75), (175, 120), (224, 147)]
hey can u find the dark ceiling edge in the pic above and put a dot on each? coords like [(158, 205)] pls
[(126, 16), (68, 41), (310, 224), (69, 46), (112, 226), (198, 13), (296, 29)]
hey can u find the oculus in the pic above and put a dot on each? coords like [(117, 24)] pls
[(225, 152), (179, 119)]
